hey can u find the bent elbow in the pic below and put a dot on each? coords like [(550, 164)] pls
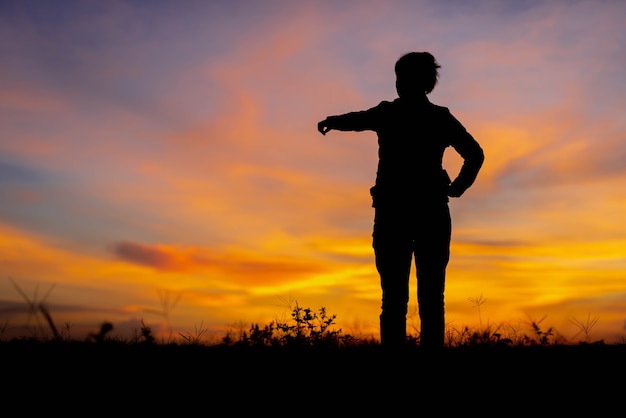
[(480, 157)]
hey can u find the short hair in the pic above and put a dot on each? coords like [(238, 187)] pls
[(419, 67)]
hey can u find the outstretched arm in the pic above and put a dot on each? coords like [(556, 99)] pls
[(345, 122), (354, 121)]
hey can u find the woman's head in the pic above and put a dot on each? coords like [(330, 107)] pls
[(417, 74)]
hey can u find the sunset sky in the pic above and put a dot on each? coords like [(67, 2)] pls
[(159, 161)]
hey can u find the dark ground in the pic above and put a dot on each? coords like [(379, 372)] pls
[(86, 379)]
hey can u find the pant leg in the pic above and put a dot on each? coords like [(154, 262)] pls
[(393, 250), (432, 253)]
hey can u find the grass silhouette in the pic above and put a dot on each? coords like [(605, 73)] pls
[(304, 366), (305, 327)]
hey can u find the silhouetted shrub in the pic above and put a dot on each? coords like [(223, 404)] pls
[(306, 328)]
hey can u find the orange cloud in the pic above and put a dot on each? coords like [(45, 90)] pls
[(157, 257), (233, 266)]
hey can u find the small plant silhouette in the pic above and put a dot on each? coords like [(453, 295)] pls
[(168, 300), (478, 302), (539, 336), (35, 307), (146, 333), (196, 338), (143, 335), (100, 337), (585, 327)]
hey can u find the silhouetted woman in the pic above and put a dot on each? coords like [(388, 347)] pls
[(411, 195)]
